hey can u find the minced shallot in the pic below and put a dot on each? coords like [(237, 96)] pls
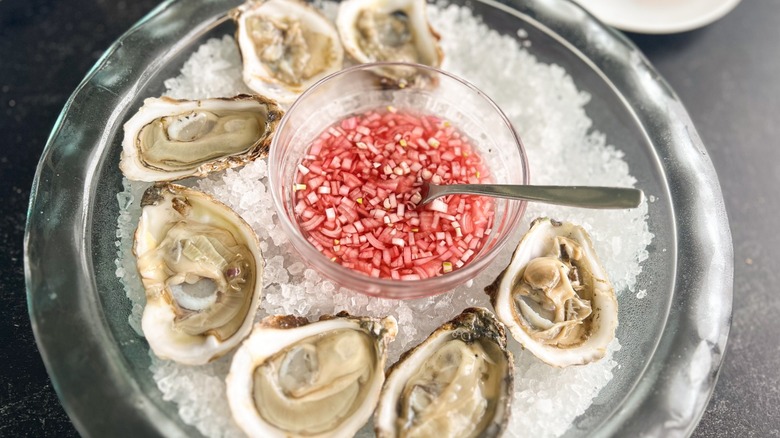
[(357, 191)]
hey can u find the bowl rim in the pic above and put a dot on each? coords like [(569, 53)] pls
[(681, 374), (389, 288)]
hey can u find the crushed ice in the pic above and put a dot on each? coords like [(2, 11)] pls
[(551, 120)]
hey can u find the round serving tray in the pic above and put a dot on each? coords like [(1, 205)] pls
[(673, 340)]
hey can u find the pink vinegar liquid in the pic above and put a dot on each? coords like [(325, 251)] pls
[(358, 186)]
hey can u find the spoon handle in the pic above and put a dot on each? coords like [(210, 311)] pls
[(573, 196)]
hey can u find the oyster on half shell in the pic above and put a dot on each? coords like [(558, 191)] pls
[(293, 378), (286, 46), (555, 296), (170, 139), (388, 30), (202, 270), (456, 383)]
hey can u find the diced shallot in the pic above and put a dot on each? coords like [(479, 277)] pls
[(357, 192)]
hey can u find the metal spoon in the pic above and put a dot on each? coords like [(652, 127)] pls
[(573, 196)]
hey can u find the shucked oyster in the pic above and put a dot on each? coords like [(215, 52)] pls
[(170, 139), (388, 30), (457, 383), (555, 297), (202, 269), (293, 378), (286, 46)]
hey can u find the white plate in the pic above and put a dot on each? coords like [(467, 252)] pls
[(658, 16)]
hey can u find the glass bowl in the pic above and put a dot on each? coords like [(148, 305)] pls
[(358, 89), (673, 339)]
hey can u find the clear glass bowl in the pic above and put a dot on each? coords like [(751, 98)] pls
[(358, 89), (673, 339)]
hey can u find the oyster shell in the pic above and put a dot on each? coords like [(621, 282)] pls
[(170, 139), (286, 46), (456, 383), (555, 297), (202, 269), (388, 30), (295, 378)]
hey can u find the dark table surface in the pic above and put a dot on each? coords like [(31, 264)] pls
[(727, 75)]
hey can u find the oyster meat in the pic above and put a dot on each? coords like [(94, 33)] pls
[(293, 378), (388, 30), (456, 383), (286, 46), (170, 139), (202, 270), (555, 297)]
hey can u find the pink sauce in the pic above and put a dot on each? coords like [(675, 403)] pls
[(357, 191)]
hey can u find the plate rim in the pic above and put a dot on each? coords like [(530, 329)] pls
[(657, 27)]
